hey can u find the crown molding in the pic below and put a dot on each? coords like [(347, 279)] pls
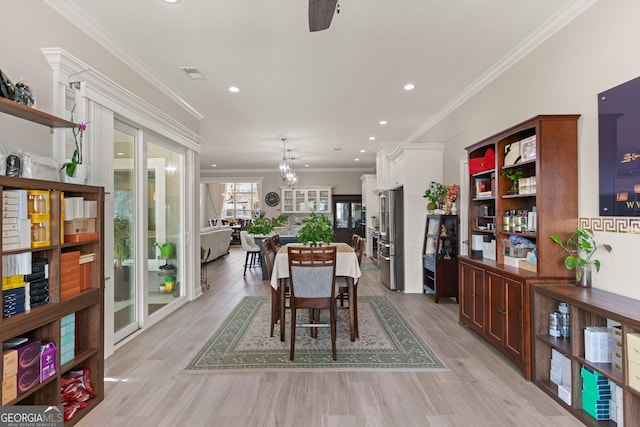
[(546, 30), (92, 29)]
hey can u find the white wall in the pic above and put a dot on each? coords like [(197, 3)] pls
[(595, 52)]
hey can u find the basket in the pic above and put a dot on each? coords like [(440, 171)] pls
[(516, 252)]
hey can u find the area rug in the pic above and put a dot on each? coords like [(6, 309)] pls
[(386, 342), (369, 266)]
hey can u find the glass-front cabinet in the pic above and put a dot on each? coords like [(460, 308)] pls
[(306, 200), (440, 256)]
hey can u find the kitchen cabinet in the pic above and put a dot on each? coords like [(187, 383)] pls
[(306, 200), (440, 256), (587, 307), (66, 299)]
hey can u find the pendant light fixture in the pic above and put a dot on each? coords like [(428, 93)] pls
[(291, 177), (284, 165)]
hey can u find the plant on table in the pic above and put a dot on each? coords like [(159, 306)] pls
[(514, 175), (436, 193), (315, 229), (580, 248), (260, 226)]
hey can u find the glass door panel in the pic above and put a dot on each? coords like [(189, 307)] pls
[(126, 318), (164, 228)]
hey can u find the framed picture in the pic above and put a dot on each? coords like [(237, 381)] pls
[(512, 153), (528, 148)]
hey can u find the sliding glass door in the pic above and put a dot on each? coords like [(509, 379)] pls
[(148, 228)]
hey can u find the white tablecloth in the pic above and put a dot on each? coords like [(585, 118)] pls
[(346, 263)]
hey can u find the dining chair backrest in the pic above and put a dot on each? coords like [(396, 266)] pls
[(359, 249), (312, 271), (268, 255), (354, 240), (248, 243), (275, 239)]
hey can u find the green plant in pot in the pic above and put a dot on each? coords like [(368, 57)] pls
[(259, 226), (580, 248), (121, 238), (514, 175), (315, 229), (436, 193), (280, 220)]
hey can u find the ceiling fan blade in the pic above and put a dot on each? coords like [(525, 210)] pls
[(321, 13)]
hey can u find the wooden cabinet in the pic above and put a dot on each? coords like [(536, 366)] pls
[(505, 315), (306, 200), (544, 151), (440, 256), (472, 301), (587, 307), (44, 322)]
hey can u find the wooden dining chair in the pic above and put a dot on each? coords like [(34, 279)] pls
[(269, 256), (343, 286), (312, 281)]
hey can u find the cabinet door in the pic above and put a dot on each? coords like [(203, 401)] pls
[(472, 299), (497, 310), (324, 201), (300, 198), (287, 201), (514, 299), (312, 200)]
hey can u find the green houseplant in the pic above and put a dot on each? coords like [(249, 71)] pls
[(436, 193), (280, 220), (121, 238), (315, 229), (259, 226), (514, 175), (580, 248)]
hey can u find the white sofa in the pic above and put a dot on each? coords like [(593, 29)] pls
[(217, 238)]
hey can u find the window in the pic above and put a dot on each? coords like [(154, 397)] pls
[(241, 200)]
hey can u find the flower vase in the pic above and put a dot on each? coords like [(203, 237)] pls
[(583, 276), (454, 209), (80, 176)]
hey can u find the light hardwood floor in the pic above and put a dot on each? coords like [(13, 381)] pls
[(147, 385)]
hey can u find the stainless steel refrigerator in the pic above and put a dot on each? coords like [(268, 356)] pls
[(391, 245)]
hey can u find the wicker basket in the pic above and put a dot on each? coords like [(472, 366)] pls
[(516, 252)]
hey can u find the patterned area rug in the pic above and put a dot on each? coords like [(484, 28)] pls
[(386, 342)]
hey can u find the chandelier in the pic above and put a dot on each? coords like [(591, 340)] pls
[(287, 173)]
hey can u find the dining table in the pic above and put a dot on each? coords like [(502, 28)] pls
[(347, 266)]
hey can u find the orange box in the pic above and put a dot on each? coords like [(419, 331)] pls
[(85, 275), (84, 237), (9, 363)]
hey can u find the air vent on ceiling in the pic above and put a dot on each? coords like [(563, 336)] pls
[(192, 72)]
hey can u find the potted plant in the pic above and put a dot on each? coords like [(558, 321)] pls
[(435, 193), (280, 220), (315, 229), (122, 251), (513, 174), (580, 248), (260, 226), (71, 168)]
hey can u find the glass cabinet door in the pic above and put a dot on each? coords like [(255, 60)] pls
[(287, 201), (324, 204), (312, 200), (301, 202)]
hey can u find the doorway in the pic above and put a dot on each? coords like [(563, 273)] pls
[(348, 217)]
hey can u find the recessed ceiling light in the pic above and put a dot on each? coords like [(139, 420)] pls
[(120, 154), (363, 151), (306, 166), (382, 122), (357, 160), (409, 86), (171, 1), (234, 89), (372, 138), (192, 72), (214, 166)]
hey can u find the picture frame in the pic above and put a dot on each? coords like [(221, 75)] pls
[(512, 153), (528, 148)]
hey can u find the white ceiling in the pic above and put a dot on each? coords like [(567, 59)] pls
[(325, 91)]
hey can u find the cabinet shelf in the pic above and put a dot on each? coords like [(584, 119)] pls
[(588, 307), (487, 285), (31, 114), (440, 256)]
